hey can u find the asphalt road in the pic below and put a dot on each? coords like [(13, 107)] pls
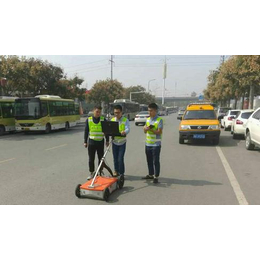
[(40, 169)]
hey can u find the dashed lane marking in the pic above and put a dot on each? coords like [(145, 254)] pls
[(55, 147)]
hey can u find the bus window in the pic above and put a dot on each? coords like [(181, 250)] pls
[(59, 108), (8, 110), (52, 107), (71, 109), (65, 108), (44, 108), (76, 109)]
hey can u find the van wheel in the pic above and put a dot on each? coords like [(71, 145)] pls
[(48, 129), (225, 128), (181, 140), (2, 130), (249, 144)]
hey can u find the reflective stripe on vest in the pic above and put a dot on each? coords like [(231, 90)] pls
[(120, 139), (95, 130), (150, 136)]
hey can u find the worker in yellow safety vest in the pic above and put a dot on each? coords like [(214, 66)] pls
[(153, 130), (119, 142), (94, 138)]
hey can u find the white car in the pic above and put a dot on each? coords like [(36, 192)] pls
[(141, 117), (181, 111), (226, 122), (221, 112), (238, 124), (252, 134)]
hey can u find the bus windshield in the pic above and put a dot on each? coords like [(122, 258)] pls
[(27, 109)]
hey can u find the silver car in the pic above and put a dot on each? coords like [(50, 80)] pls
[(141, 117)]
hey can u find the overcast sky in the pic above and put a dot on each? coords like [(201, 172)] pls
[(187, 73)]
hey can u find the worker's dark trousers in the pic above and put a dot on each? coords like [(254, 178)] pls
[(92, 149), (153, 159)]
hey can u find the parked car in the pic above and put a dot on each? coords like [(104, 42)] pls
[(181, 111), (221, 112), (252, 133), (238, 124), (227, 119), (141, 117)]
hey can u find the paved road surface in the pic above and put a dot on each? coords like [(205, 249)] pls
[(45, 169)]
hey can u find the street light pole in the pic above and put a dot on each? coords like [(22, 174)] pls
[(149, 84)]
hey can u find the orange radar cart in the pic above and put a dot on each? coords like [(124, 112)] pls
[(101, 186)]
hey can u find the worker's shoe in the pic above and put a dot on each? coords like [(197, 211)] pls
[(92, 174), (155, 180), (148, 177), (115, 174)]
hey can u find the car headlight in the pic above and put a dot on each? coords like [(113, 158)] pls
[(215, 127), (185, 127)]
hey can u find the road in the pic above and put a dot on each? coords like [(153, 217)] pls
[(40, 169)]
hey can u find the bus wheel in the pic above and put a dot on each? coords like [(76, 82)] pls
[(48, 129), (2, 130), (67, 126)]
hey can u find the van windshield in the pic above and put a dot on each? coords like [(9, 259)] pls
[(199, 114)]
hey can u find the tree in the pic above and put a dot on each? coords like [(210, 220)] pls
[(105, 91), (31, 77), (141, 98)]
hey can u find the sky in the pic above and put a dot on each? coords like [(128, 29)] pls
[(185, 73)]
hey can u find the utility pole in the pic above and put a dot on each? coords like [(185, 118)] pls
[(111, 60), (164, 77)]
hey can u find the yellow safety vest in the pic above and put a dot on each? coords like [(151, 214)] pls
[(95, 130), (120, 139), (150, 136)]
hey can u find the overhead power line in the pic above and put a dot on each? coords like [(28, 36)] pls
[(84, 64)]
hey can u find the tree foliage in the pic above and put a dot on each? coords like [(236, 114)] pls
[(30, 77), (142, 98), (232, 80), (105, 91)]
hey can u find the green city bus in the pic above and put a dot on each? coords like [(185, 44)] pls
[(45, 113), (130, 109), (7, 121)]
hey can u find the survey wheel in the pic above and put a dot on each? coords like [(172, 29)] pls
[(77, 191), (106, 194)]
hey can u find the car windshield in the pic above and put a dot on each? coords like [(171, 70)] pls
[(143, 113), (199, 114)]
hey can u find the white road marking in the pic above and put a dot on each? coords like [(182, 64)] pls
[(55, 147), (234, 183), (7, 160)]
